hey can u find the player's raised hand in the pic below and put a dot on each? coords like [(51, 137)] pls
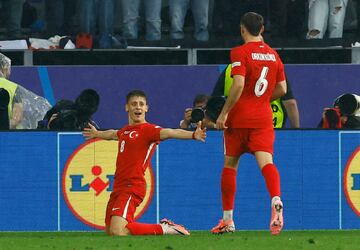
[(200, 133), (90, 133)]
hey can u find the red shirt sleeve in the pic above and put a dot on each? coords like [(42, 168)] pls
[(118, 133), (238, 62), (281, 73), (153, 133)]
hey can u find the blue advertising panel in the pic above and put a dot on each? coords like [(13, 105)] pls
[(56, 181)]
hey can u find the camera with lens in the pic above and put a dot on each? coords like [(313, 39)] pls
[(211, 111), (349, 104), (344, 114), (66, 119), (197, 114)]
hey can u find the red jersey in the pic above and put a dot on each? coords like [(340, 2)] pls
[(262, 68), (137, 144)]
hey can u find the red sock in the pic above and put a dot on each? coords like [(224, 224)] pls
[(272, 179), (228, 188), (136, 228)]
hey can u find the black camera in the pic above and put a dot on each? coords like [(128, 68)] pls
[(349, 104), (211, 111), (66, 119), (197, 114)]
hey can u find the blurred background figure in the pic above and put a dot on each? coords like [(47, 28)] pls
[(200, 12), (326, 15), (12, 13), (97, 19), (199, 105), (152, 12), (24, 107), (345, 113), (59, 14), (286, 18), (72, 115), (15, 107)]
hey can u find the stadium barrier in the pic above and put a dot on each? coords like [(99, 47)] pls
[(55, 181)]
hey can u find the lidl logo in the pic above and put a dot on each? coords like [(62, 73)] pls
[(88, 178), (352, 181)]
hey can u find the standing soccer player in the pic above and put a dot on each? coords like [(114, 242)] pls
[(137, 142), (258, 78)]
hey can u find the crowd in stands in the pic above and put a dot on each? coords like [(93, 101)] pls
[(114, 23)]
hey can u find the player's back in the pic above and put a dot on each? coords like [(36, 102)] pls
[(262, 69)]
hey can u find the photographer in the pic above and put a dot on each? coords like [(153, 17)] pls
[(25, 108), (345, 113), (15, 107), (199, 105), (69, 115)]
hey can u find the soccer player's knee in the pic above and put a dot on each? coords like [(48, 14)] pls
[(119, 232)]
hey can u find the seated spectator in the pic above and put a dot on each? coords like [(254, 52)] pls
[(97, 14), (199, 104), (69, 115), (326, 15), (282, 108), (200, 11), (12, 12), (152, 10)]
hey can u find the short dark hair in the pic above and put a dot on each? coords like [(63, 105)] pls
[(135, 92), (200, 98), (253, 22)]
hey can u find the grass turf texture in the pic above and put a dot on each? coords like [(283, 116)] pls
[(337, 240)]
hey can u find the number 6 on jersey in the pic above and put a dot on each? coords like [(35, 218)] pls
[(261, 84)]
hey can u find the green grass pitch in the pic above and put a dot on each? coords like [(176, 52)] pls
[(327, 240)]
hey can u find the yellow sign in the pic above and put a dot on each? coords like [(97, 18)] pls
[(87, 182), (352, 181)]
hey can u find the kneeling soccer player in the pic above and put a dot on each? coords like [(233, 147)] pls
[(137, 143)]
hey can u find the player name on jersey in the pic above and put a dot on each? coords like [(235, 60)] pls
[(263, 57)]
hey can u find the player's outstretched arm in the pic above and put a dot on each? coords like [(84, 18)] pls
[(199, 134), (92, 132)]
